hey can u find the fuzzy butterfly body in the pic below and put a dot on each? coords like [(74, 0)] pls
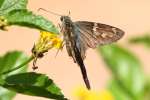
[(80, 35)]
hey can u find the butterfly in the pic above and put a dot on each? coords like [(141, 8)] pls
[(81, 35)]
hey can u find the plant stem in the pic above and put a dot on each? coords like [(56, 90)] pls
[(19, 66)]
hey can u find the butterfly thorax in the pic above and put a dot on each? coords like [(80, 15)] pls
[(69, 36)]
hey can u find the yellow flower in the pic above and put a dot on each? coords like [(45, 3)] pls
[(85, 94), (3, 23), (57, 43), (46, 41)]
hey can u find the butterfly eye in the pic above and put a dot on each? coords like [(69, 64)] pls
[(61, 18)]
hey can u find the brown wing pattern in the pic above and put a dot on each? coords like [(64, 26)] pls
[(98, 34)]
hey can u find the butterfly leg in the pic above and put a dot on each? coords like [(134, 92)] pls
[(62, 45), (34, 64), (59, 26)]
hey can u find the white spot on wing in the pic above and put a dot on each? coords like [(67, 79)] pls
[(95, 29), (104, 35)]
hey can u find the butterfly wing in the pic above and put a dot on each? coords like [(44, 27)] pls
[(93, 34)]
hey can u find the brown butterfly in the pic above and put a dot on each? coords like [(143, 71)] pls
[(81, 35)]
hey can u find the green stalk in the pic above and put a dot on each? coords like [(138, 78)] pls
[(19, 66)]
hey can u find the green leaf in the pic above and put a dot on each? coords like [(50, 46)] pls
[(118, 92), (126, 69), (145, 40), (147, 89), (8, 61), (6, 94), (27, 18), (1, 2), (11, 60), (9, 5), (34, 84)]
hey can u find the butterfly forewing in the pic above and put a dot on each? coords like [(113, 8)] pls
[(98, 34)]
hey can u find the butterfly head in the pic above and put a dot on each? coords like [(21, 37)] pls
[(65, 19)]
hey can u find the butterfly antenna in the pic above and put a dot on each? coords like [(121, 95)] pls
[(50, 12)]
